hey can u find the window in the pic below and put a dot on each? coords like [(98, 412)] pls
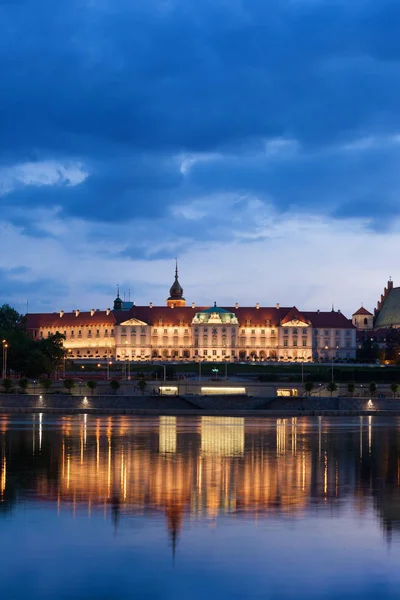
[(175, 331), (304, 342), (272, 331), (347, 344), (79, 333), (214, 353), (285, 343), (165, 330), (262, 331), (123, 329), (186, 331), (243, 331), (347, 333), (294, 342), (337, 332), (154, 330), (253, 331), (286, 331), (112, 331), (204, 352), (304, 331), (223, 352), (295, 331), (97, 332), (326, 332), (89, 333)]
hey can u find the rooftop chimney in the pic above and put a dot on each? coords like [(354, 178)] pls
[(237, 305), (61, 313), (278, 305), (108, 310), (151, 305), (77, 313), (92, 311), (258, 305), (193, 305)]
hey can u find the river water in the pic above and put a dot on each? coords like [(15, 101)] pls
[(168, 507)]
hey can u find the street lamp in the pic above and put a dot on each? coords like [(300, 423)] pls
[(5, 346), (216, 373)]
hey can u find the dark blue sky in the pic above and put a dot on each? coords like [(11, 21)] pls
[(257, 140)]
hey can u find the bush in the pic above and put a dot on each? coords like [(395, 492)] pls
[(23, 384), (115, 385), (92, 385), (8, 385), (69, 384)]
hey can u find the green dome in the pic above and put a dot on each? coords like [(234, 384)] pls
[(215, 314)]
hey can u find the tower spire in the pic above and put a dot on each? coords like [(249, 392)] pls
[(176, 292)]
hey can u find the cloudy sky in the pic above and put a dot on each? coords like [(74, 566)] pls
[(256, 140)]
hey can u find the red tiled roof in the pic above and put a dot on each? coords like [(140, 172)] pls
[(328, 319), (99, 317), (293, 315), (362, 311), (183, 315)]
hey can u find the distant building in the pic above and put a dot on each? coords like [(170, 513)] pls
[(386, 317), (179, 332)]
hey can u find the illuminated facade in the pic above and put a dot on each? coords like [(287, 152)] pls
[(179, 332)]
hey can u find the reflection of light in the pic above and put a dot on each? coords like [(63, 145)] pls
[(3, 477), (361, 436), (85, 401), (370, 404), (281, 436), (167, 435), (222, 436), (40, 430), (369, 433), (325, 474)]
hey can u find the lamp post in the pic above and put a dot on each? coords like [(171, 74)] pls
[(108, 369), (199, 369), (5, 346), (129, 369)]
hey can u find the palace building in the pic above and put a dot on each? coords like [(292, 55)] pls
[(179, 332)]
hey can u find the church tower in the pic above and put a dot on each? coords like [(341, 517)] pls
[(176, 292)]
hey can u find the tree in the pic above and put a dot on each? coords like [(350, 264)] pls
[(142, 385), (8, 385), (23, 384), (351, 388), (308, 387), (369, 351), (332, 387), (45, 384), (92, 385), (395, 388), (69, 384), (372, 388), (115, 385)]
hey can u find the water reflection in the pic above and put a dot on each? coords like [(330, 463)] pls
[(202, 467)]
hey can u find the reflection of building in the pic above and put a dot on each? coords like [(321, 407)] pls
[(204, 466), (222, 436), (177, 331)]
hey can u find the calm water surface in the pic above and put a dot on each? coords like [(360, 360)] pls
[(212, 507)]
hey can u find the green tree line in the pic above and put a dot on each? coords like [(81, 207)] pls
[(27, 357)]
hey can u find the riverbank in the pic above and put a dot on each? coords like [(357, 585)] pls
[(196, 406)]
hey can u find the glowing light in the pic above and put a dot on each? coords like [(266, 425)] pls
[(222, 391), (168, 390)]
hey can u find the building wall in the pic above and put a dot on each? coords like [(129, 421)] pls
[(133, 339)]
